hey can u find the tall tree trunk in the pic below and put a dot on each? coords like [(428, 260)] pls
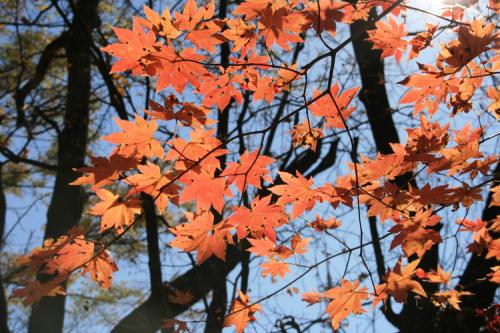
[(4, 325), (414, 317), (473, 280), (65, 208), (423, 316), (199, 281)]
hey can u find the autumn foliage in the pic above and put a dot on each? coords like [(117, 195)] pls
[(198, 173)]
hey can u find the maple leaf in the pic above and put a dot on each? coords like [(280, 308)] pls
[(422, 40), (342, 192), (136, 50), (414, 234), (221, 89), (258, 221), (179, 69), (494, 107), (180, 297), (264, 88), (101, 269), (39, 256), (450, 297), (326, 107), (473, 39), (243, 35), (71, 256), (207, 35), (312, 297), (104, 171), (202, 235), (345, 299), (198, 153), (190, 114), (136, 139), (249, 171), (205, 190), (387, 37), (427, 91), (162, 25), (439, 276), (275, 268), (306, 136), (331, 12), (399, 282), (262, 247), (192, 15), (61, 257), (34, 290), (253, 8), (297, 191), (273, 26), (299, 244), (320, 224), (116, 212), (241, 313), (152, 182)]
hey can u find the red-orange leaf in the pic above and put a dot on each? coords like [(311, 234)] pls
[(297, 191), (249, 171), (116, 212), (241, 313)]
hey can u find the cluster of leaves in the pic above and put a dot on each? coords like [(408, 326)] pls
[(189, 170)]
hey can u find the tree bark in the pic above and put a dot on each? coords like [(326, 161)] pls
[(417, 316), (474, 280), (414, 317), (66, 204), (4, 324), (199, 280)]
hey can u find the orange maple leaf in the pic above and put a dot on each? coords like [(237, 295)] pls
[(258, 221), (136, 50), (388, 38), (299, 244), (241, 313), (345, 299), (116, 212), (399, 282), (274, 268), (221, 89), (152, 182), (243, 35), (297, 191), (249, 171), (162, 25), (274, 28), (414, 234), (34, 290), (136, 139), (326, 107), (104, 171), (205, 190), (319, 224), (201, 235)]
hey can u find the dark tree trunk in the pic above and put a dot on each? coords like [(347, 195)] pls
[(414, 317), (65, 208), (199, 281), (4, 324), (418, 316), (474, 280)]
